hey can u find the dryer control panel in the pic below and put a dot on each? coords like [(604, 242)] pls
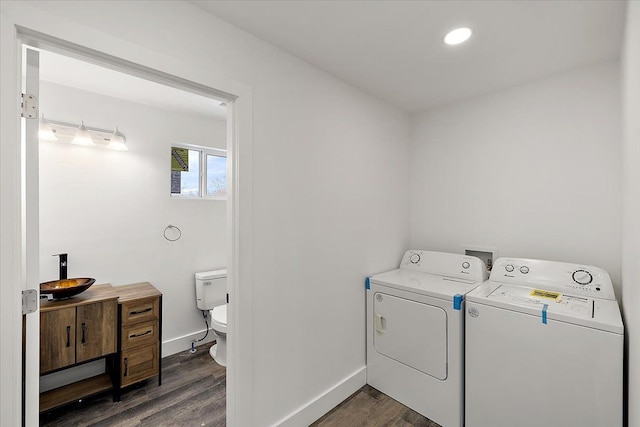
[(445, 264), (575, 279)]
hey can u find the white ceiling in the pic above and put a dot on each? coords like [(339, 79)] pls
[(93, 78), (394, 49)]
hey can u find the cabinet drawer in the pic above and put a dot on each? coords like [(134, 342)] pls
[(139, 334), (140, 310), (139, 364)]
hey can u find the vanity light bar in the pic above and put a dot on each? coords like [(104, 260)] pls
[(66, 132)]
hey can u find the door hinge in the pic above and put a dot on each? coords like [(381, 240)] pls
[(29, 301), (29, 106)]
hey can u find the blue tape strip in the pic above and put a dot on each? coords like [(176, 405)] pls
[(457, 302), (367, 285), (544, 313)]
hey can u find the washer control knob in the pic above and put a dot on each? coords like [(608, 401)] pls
[(414, 258), (466, 265), (509, 268), (524, 269), (582, 277)]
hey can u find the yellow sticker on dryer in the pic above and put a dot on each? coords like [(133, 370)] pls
[(545, 294)]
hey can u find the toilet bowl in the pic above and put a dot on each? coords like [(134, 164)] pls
[(219, 325)]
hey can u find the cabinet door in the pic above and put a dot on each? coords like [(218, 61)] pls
[(139, 364), (95, 330), (57, 339)]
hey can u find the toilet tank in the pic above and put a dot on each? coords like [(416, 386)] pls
[(211, 289)]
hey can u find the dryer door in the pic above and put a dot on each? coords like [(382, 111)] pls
[(412, 333)]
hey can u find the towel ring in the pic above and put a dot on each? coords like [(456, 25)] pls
[(170, 227)]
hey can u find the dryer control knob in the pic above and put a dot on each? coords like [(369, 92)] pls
[(509, 268), (582, 277), (414, 258), (466, 265), (524, 269)]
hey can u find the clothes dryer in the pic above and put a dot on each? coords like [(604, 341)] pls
[(544, 347), (415, 332)]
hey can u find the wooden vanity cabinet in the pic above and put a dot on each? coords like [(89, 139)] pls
[(140, 333), (121, 324), (74, 331)]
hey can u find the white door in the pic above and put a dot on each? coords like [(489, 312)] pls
[(412, 333), (30, 236)]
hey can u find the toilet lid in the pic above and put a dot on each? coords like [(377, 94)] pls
[(219, 314)]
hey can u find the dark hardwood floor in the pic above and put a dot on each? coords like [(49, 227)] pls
[(369, 407), (193, 393)]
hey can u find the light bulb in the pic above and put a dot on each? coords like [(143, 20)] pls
[(118, 141), (45, 131), (83, 137), (457, 36)]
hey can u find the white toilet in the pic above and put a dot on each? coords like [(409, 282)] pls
[(211, 294)]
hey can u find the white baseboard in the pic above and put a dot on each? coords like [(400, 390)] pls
[(317, 407), (176, 345)]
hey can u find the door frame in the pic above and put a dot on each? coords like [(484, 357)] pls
[(117, 54), (30, 266)]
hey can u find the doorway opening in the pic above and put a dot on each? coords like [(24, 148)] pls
[(71, 170)]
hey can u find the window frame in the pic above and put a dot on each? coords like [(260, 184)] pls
[(202, 179)]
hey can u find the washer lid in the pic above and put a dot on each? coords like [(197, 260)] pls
[(537, 298), (433, 285), (590, 312)]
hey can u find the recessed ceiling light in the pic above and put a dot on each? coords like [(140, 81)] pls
[(457, 36)]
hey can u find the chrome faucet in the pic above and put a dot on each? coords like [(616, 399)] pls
[(63, 265)]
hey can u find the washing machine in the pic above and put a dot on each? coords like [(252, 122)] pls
[(415, 332), (544, 347)]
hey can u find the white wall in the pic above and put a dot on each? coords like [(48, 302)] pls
[(631, 207), (108, 209), (533, 170), (330, 198)]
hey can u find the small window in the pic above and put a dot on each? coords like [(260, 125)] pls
[(216, 175), (198, 172)]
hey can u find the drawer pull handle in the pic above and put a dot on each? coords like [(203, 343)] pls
[(142, 334), (84, 328), (68, 336), (126, 366), (133, 313)]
